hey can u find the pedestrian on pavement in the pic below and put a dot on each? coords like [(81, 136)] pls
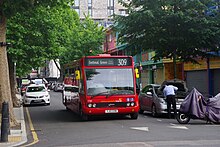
[(169, 93)]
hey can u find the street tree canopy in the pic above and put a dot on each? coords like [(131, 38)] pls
[(184, 28), (40, 30), (86, 39), (48, 33), (40, 34), (8, 9)]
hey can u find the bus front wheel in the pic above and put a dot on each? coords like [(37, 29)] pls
[(84, 117)]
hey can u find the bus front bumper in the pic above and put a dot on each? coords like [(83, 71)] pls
[(103, 111)]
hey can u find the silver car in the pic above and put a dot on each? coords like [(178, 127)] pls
[(151, 98)]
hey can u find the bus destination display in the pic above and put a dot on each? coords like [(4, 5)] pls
[(108, 61)]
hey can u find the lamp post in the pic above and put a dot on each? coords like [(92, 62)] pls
[(140, 71)]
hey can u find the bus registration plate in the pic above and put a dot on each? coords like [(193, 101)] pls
[(111, 111)]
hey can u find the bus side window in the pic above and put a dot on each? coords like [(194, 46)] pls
[(81, 84), (81, 87)]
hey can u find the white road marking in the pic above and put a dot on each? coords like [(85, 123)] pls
[(159, 120), (177, 126), (140, 128)]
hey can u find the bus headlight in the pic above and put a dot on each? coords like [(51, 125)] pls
[(89, 105), (130, 104)]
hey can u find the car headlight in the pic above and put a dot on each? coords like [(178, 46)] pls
[(27, 96)]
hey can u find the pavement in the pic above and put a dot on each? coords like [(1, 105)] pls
[(18, 135)]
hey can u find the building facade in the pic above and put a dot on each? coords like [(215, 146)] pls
[(204, 76), (100, 11)]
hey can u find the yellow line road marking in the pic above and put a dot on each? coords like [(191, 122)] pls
[(34, 134)]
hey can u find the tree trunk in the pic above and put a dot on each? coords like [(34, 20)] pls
[(13, 84), (5, 92), (60, 79)]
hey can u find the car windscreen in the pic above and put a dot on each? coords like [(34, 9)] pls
[(36, 89), (71, 89)]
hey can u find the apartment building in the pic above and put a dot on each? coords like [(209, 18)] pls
[(99, 10)]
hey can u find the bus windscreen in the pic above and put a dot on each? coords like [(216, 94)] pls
[(105, 81)]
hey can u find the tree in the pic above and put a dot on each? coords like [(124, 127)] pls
[(7, 10), (85, 40), (172, 28), (53, 36)]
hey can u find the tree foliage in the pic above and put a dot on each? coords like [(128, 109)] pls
[(187, 28), (86, 40), (8, 9), (47, 33)]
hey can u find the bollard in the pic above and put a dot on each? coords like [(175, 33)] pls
[(5, 122)]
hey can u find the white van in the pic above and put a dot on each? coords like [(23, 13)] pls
[(69, 92)]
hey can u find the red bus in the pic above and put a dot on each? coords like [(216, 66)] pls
[(107, 85)]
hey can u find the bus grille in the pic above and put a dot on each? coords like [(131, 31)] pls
[(107, 105)]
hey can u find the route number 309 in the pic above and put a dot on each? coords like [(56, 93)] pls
[(122, 62)]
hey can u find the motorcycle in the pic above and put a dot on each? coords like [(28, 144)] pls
[(196, 106)]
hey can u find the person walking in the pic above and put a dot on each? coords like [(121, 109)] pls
[(169, 93)]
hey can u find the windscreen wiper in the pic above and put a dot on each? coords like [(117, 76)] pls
[(120, 92), (101, 93)]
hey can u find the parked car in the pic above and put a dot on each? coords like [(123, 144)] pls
[(51, 85), (151, 97), (69, 92), (151, 100), (23, 88), (58, 87), (36, 94)]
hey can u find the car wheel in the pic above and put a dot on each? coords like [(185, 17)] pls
[(153, 110), (182, 118), (134, 115)]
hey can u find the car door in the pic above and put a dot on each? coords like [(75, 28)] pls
[(142, 98), (150, 97)]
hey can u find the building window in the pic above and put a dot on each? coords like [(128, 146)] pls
[(76, 6), (76, 2), (90, 7), (110, 7), (110, 12), (89, 3), (123, 12)]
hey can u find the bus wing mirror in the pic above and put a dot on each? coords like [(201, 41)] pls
[(137, 73), (77, 73)]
